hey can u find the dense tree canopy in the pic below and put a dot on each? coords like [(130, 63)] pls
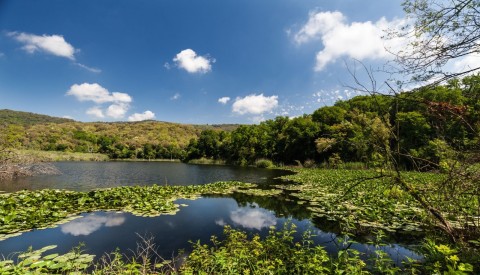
[(360, 129)]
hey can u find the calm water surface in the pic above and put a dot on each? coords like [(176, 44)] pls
[(103, 232), (85, 176)]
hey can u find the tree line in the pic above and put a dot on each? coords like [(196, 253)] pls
[(429, 123)]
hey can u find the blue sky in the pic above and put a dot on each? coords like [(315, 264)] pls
[(218, 61)]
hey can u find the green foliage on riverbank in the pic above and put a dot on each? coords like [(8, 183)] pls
[(239, 253)]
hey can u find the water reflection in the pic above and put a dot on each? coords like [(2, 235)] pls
[(253, 217), (91, 223), (105, 231)]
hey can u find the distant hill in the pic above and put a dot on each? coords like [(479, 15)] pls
[(143, 139), (26, 118)]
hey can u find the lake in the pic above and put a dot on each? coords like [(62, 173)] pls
[(85, 176), (103, 232)]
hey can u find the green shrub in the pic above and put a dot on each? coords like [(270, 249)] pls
[(264, 163), (277, 254), (207, 161), (309, 163), (353, 166)]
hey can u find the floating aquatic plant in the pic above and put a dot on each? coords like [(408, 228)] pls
[(26, 210)]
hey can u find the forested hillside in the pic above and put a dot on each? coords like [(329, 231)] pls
[(426, 126), (25, 118), (146, 139)]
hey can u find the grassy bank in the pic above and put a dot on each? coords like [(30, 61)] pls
[(52, 156)]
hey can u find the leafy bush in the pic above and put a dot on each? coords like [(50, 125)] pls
[(309, 163), (206, 161), (264, 163), (34, 262), (238, 254), (353, 166)]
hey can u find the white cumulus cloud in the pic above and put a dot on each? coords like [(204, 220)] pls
[(142, 116), (224, 100), (193, 63), (51, 44), (96, 93), (119, 102), (96, 112), (117, 110), (319, 23), (358, 40), (254, 104)]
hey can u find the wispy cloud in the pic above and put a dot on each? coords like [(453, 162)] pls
[(175, 96), (51, 44), (328, 97), (91, 69)]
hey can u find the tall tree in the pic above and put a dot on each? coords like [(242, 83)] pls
[(441, 31)]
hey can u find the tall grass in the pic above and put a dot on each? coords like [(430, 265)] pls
[(207, 161), (62, 156)]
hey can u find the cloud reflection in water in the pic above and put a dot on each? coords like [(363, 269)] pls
[(91, 223), (251, 217)]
